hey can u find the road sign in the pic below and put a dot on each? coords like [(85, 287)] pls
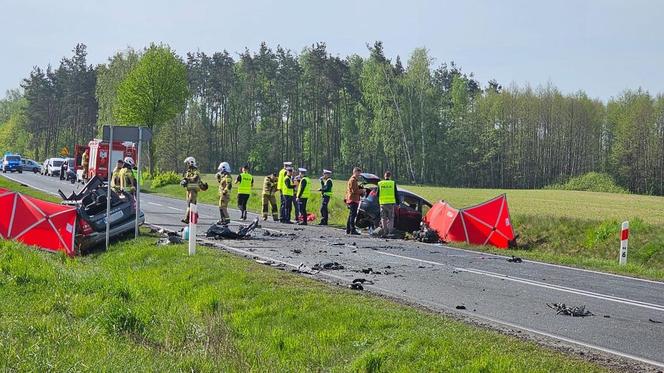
[(64, 151), (126, 133)]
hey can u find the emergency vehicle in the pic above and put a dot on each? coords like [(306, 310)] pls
[(99, 162)]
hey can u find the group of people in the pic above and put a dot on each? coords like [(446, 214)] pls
[(122, 178), (294, 192)]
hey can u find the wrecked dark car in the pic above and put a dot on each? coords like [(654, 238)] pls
[(407, 214), (90, 203)]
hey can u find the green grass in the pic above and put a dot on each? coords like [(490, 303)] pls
[(139, 307), (558, 226), (16, 187)]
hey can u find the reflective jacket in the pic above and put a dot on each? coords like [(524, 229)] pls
[(246, 181), (304, 188), (387, 192), (193, 178), (225, 184), (289, 188), (326, 187)]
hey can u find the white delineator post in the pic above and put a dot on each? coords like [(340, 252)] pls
[(193, 220), (624, 236)]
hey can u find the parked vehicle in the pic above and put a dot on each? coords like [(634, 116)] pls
[(90, 203), (407, 214), (12, 163), (52, 166), (31, 165)]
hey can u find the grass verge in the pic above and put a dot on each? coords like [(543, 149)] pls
[(566, 227), (139, 307)]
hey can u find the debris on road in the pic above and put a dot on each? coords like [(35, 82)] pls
[(515, 259), (655, 321), (296, 251), (362, 281), (369, 271), (172, 238), (427, 236), (264, 262), (302, 268), (576, 311), (460, 307), (356, 286), (327, 265), (220, 232)]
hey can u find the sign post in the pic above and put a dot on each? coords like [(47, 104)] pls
[(108, 187), (193, 220), (624, 236), (138, 180)]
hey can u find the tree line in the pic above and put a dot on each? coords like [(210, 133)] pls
[(426, 123)]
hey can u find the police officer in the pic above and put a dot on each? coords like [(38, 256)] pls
[(326, 193), (288, 190), (225, 186), (127, 179), (269, 199), (387, 198), (115, 176), (303, 194), (280, 184), (246, 182), (191, 181)]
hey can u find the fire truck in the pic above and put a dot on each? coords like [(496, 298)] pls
[(99, 162)]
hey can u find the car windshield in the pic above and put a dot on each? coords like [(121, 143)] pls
[(13, 158), (57, 163)]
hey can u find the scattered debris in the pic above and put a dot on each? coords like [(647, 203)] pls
[(297, 251), (369, 271), (515, 259), (388, 267), (298, 229), (460, 307), (356, 286), (219, 232), (302, 268), (337, 244), (421, 267), (327, 266), (363, 281), (576, 311), (264, 262), (172, 238), (607, 316), (427, 236), (655, 321)]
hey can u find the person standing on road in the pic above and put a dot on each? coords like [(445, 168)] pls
[(352, 199), (303, 194), (387, 198), (280, 188), (115, 176), (326, 193), (289, 191), (191, 181), (225, 186), (127, 179), (85, 162), (63, 169), (246, 182), (269, 199)]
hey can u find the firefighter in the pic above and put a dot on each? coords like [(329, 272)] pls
[(326, 192), (246, 182), (303, 194), (387, 198), (353, 194), (85, 162), (225, 186), (288, 189), (127, 180), (269, 199), (280, 184), (115, 176), (192, 182)]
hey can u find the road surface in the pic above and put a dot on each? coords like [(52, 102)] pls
[(495, 292)]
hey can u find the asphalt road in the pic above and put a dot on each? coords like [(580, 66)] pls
[(511, 296)]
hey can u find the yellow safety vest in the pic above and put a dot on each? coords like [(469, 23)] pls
[(306, 193), (280, 180), (287, 191), (245, 184), (386, 192)]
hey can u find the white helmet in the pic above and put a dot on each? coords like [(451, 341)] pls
[(190, 161), (224, 167), (130, 162)]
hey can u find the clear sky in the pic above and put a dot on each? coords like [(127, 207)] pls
[(600, 46)]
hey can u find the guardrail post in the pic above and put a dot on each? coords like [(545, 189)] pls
[(193, 220), (624, 236)]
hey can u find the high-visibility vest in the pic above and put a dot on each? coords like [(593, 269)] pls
[(280, 180), (245, 184), (386, 192), (127, 180), (287, 191), (115, 179), (306, 193), (323, 184)]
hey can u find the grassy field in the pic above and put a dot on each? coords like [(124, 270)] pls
[(139, 307), (567, 227)]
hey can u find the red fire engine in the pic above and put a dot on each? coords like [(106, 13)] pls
[(99, 157)]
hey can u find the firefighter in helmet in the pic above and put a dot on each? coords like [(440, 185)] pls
[(85, 162), (127, 179), (115, 179), (192, 182), (269, 199), (225, 186)]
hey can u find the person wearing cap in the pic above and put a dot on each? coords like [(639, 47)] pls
[(387, 199), (115, 176), (303, 194), (353, 194), (246, 182), (280, 188), (288, 189), (326, 192), (269, 199)]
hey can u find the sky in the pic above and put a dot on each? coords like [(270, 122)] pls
[(599, 46)]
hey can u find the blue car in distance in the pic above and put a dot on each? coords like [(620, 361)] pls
[(12, 163)]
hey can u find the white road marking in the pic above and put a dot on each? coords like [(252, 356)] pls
[(155, 204), (173, 208)]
